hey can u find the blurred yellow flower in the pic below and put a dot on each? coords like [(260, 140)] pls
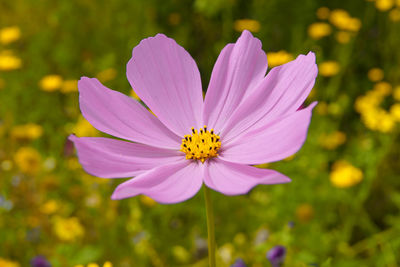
[(9, 62), (382, 88), (394, 15), (106, 75), (332, 140), (28, 160), (49, 207), (29, 131), (304, 212), (339, 18), (247, 24), (378, 119), (329, 68), (84, 128), (68, 229), (69, 86), (323, 13), (107, 264), (93, 265), (9, 34), (343, 37), (395, 111), (51, 83), (375, 74), (384, 5), (278, 58), (342, 20), (147, 201), (344, 174), (8, 263), (318, 30), (396, 93)]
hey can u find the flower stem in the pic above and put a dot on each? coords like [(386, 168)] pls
[(210, 227)]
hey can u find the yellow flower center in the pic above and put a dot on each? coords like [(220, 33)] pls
[(201, 145)]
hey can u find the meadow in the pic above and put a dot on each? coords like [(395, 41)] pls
[(341, 208)]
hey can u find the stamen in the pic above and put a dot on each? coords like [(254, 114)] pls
[(201, 145)]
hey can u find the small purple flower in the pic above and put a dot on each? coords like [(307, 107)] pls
[(40, 261), (276, 255), (239, 263)]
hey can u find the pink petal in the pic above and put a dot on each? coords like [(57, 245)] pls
[(170, 183), (167, 79), (236, 179), (119, 115), (282, 92), (278, 140), (110, 158), (239, 68)]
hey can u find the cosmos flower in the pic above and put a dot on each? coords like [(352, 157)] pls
[(246, 118)]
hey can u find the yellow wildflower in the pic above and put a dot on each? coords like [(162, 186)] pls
[(29, 131), (247, 24), (382, 88), (329, 68), (318, 30), (51, 83), (384, 5), (394, 15), (304, 212), (344, 174), (69, 86), (84, 128), (8, 263), (323, 13), (396, 93), (375, 74), (68, 229), (333, 140), (28, 160), (378, 119), (395, 111), (49, 207), (107, 264), (343, 37), (93, 265), (107, 75), (9, 34), (278, 58), (147, 201), (339, 18), (353, 24), (9, 62), (342, 20)]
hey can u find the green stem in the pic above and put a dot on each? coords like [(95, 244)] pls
[(210, 227)]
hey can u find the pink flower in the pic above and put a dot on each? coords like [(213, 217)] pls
[(251, 118)]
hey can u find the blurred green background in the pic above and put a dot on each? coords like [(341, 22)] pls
[(342, 207)]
